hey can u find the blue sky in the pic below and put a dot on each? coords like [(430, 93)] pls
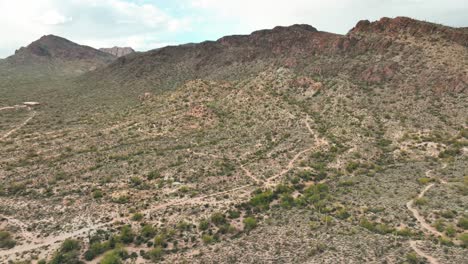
[(149, 24)]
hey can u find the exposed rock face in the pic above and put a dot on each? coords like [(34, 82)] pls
[(118, 51)]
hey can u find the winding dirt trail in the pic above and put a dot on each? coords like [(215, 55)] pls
[(427, 228), (52, 241), (6, 135), (318, 142)]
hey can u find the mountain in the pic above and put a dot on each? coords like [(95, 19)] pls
[(118, 51), (287, 145), (393, 50), (53, 55)]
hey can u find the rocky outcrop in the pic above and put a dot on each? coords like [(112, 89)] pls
[(118, 51)]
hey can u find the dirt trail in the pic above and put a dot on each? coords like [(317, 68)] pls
[(12, 107), (427, 228), (6, 135), (318, 142), (52, 242), (414, 246)]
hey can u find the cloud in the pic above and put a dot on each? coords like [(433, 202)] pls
[(336, 16), (104, 22)]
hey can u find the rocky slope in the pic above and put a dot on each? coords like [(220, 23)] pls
[(118, 51)]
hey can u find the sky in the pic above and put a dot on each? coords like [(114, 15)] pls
[(150, 24)]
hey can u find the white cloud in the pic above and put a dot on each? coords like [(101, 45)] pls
[(52, 17), (90, 22), (337, 16)]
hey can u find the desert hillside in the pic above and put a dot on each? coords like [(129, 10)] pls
[(288, 145)]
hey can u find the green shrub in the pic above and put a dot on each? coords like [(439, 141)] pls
[(218, 219), (421, 201), (153, 175), (352, 166), (97, 194), (450, 231), (112, 257), (464, 239), (207, 239), (412, 258), (159, 240), (203, 225), (6, 241), (126, 235), (156, 254), (463, 223), (249, 223), (68, 253), (262, 200), (148, 231), (425, 180), (137, 217)]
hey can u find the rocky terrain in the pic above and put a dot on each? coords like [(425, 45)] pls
[(118, 51), (288, 145)]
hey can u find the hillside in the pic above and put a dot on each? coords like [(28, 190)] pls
[(288, 145)]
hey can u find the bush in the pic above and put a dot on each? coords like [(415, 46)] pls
[(156, 254), (464, 239), (425, 180), (463, 223), (249, 223), (420, 201), (159, 240), (153, 175), (203, 225), (97, 194), (412, 258), (112, 257), (450, 231), (137, 217), (69, 253), (126, 235), (6, 241), (218, 219), (352, 166), (262, 200), (148, 231), (207, 239)]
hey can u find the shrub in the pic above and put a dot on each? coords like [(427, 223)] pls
[(137, 217), (463, 223), (420, 201), (448, 214), (262, 200), (412, 258), (156, 254), (159, 240), (249, 223), (207, 239), (203, 225), (218, 219), (6, 241), (148, 231), (68, 253), (425, 180), (450, 231), (97, 194), (153, 175), (126, 235), (352, 166), (464, 239), (112, 257)]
